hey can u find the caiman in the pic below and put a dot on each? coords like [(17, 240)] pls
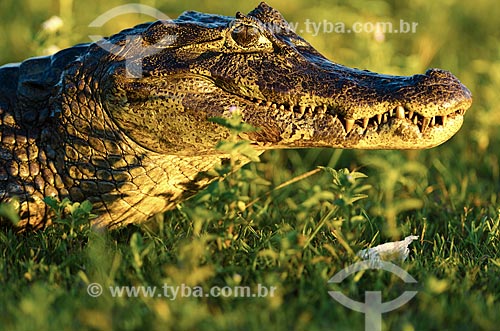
[(125, 122)]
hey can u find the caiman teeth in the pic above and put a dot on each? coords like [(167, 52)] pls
[(425, 123), (365, 123), (349, 124), (398, 112)]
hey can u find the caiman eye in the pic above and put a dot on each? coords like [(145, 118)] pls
[(245, 35)]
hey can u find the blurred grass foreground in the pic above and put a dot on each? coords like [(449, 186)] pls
[(264, 227)]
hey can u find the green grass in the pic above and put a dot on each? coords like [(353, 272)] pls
[(262, 226)]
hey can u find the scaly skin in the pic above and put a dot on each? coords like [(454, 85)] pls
[(77, 125)]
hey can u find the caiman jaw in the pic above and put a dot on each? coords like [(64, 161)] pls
[(350, 108), (397, 128), (419, 121), (402, 124)]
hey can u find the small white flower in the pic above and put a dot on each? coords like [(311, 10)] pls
[(391, 251), (53, 24)]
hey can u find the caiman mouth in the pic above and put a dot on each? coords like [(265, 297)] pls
[(401, 113), (364, 111)]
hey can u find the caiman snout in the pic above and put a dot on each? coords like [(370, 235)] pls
[(344, 107), (444, 91), (418, 111)]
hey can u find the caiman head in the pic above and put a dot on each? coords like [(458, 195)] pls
[(201, 66)]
